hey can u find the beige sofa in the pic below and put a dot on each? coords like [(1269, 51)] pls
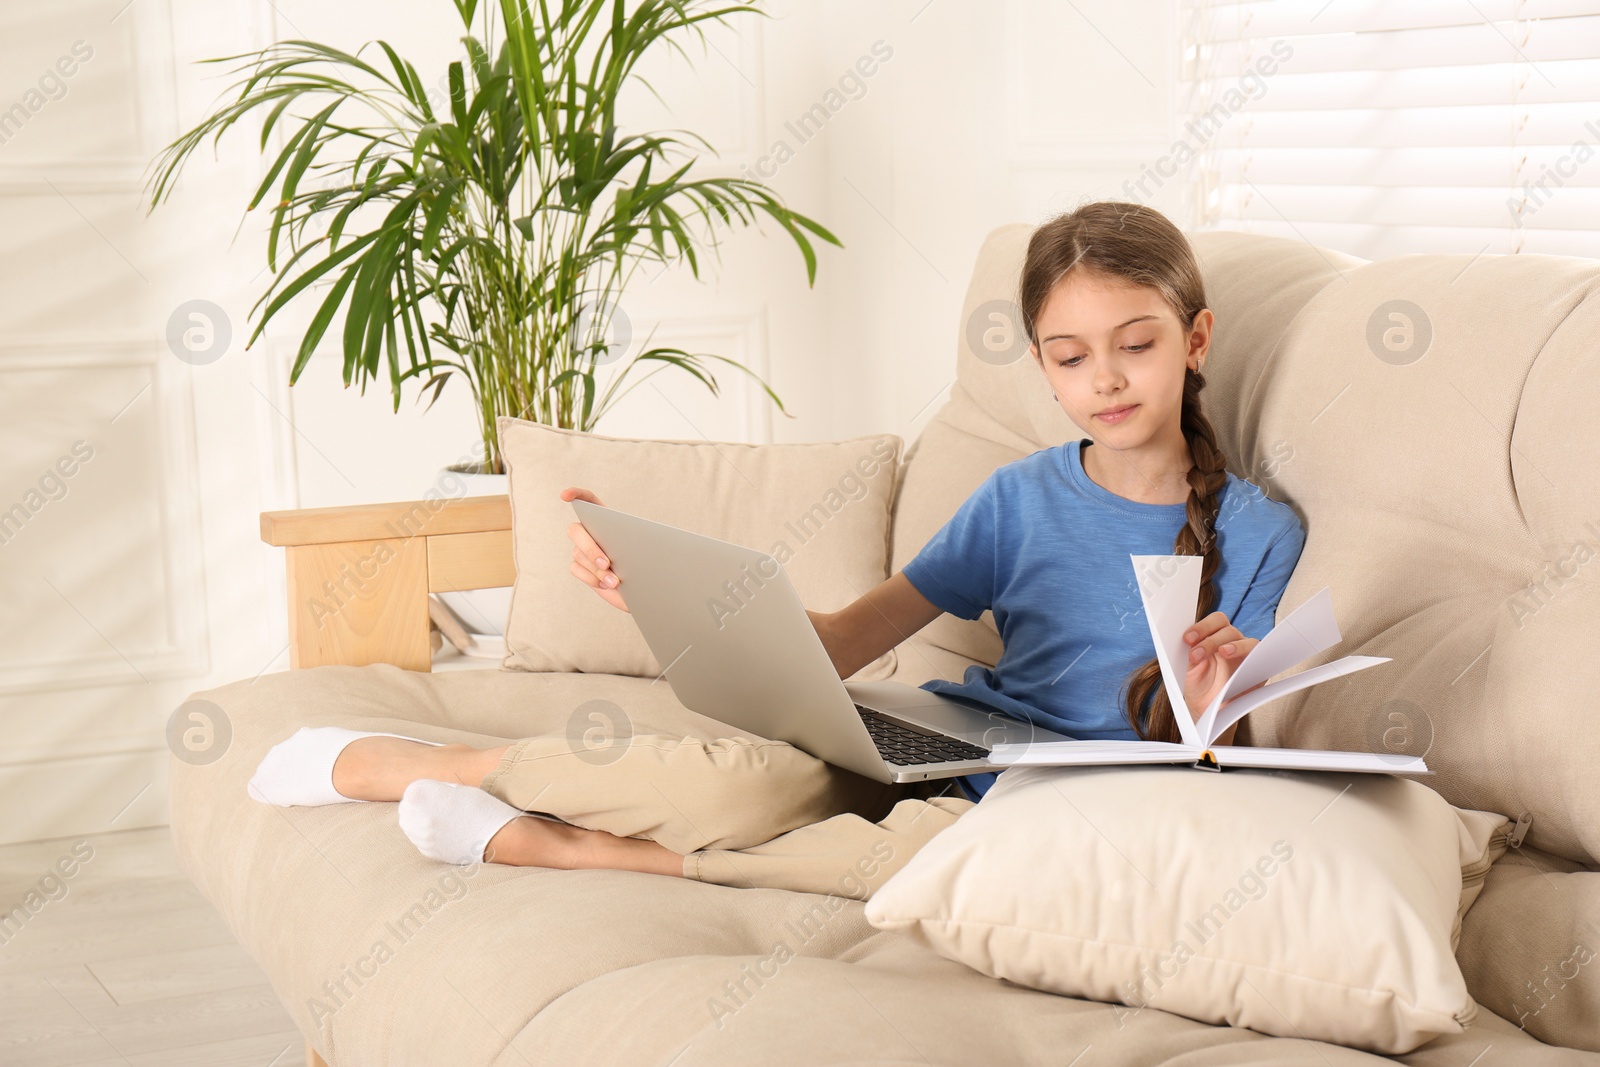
[(1448, 475)]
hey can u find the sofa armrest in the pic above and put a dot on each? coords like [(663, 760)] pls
[(359, 576)]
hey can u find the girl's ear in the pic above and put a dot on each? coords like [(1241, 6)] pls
[(1201, 333)]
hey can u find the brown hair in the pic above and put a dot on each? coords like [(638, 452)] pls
[(1141, 246)]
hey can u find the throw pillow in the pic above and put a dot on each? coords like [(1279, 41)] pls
[(821, 510), (1296, 903)]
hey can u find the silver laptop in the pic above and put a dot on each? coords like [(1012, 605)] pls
[(737, 646)]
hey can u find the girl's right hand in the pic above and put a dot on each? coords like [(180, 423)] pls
[(589, 563)]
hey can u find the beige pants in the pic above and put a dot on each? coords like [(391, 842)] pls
[(741, 811)]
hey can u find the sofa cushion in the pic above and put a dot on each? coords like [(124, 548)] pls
[(537, 967), (1530, 947), (889, 1002), (821, 510), (1301, 904)]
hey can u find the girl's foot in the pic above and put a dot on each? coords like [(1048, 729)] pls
[(453, 823)]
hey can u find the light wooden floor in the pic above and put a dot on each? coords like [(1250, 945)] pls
[(130, 968)]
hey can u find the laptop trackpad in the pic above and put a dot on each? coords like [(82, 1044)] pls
[(980, 727)]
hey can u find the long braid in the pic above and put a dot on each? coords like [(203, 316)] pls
[(1207, 477)]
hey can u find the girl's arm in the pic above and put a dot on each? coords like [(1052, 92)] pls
[(888, 614)]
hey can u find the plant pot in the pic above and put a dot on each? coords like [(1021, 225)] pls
[(482, 612)]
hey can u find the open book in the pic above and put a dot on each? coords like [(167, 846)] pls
[(1169, 587)]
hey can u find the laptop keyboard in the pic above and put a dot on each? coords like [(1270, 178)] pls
[(902, 745)]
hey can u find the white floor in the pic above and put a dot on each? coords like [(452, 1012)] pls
[(130, 967)]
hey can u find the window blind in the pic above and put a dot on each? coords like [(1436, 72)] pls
[(1386, 128)]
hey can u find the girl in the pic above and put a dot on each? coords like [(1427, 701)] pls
[(1112, 302)]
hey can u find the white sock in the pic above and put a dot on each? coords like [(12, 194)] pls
[(451, 822), (299, 770)]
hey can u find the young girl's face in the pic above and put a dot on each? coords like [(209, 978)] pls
[(1105, 344)]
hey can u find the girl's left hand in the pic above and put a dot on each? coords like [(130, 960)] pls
[(1216, 649)]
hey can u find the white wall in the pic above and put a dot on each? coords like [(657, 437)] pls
[(145, 580)]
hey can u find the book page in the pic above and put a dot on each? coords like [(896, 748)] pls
[(1243, 705), (1074, 753), (1169, 587), (1099, 753), (1315, 759), (1309, 629)]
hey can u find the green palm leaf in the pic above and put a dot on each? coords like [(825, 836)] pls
[(501, 223)]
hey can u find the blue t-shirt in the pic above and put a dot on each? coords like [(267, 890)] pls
[(1046, 548)]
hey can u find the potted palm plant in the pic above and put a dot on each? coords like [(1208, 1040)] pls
[(487, 230)]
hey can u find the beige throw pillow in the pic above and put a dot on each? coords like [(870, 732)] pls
[(821, 510), (1295, 903)]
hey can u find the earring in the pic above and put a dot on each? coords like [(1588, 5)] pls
[(1054, 397)]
